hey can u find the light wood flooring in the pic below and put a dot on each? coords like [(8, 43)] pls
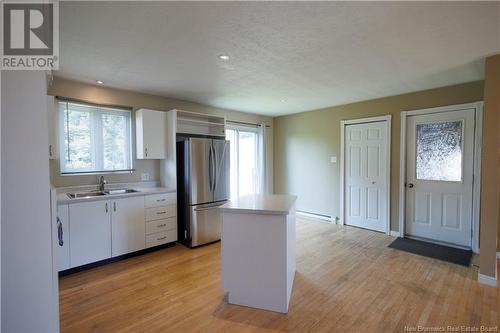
[(347, 280)]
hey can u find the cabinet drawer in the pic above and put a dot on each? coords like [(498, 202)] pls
[(157, 200), (161, 225), (160, 213), (161, 238)]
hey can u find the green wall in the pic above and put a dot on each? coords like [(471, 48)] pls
[(304, 142)]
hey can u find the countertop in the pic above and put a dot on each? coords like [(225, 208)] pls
[(142, 188), (273, 204)]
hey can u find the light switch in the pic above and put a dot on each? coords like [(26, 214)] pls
[(333, 159)]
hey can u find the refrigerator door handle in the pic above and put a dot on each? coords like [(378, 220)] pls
[(210, 167), (215, 169)]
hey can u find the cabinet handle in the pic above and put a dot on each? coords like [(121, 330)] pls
[(106, 207), (50, 150), (114, 206), (160, 200), (159, 213), (146, 151), (161, 225), (161, 238), (60, 232)]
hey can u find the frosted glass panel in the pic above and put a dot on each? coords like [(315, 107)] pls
[(439, 151)]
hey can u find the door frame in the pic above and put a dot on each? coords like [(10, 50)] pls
[(476, 178), (343, 123)]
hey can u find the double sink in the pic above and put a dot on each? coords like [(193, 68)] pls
[(90, 194)]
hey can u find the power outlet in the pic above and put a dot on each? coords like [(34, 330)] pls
[(145, 176)]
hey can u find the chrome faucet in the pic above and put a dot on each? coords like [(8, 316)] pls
[(102, 183)]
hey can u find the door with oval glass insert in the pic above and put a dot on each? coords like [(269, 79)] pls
[(440, 154)]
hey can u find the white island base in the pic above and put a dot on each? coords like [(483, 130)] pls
[(258, 251)]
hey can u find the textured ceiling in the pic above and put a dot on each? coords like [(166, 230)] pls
[(285, 57)]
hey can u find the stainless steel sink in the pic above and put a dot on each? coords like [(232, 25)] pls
[(88, 194), (121, 191), (91, 194)]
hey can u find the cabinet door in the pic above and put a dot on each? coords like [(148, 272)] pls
[(62, 238), (90, 232), (151, 127), (128, 225)]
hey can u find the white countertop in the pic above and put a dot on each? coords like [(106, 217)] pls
[(142, 188), (274, 204)]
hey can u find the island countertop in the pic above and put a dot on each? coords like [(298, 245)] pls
[(272, 204)]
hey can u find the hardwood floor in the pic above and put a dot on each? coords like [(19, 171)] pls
[(347, 280)]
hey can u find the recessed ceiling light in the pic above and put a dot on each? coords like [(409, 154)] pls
[(223, 57), (282, 100), (99, 82)]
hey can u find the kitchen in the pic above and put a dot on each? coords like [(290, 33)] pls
[(252, 166)]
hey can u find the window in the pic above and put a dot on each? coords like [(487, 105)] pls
[(245, 161), (439, 151), (94, 139)]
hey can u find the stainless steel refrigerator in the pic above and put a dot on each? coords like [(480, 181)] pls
[(202, 186)]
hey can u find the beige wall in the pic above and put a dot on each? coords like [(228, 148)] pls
[(490, 167), (103, 95), (304, 143)]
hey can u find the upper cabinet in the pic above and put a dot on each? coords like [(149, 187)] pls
[(200, 124), (151, 134)]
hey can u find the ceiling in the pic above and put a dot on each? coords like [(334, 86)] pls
[(285, 57)]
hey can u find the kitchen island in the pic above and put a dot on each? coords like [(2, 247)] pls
[(258, 251)]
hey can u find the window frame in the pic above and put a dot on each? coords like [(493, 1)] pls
[(96, 138)]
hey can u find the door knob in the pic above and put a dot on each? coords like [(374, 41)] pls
[(410, 185)]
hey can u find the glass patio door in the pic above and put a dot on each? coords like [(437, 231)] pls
[(245, 160)]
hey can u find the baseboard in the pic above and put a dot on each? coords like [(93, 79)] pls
[(315, 216), (487, 280), (395, 233)]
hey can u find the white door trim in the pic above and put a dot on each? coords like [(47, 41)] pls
[(343, 124), (476, 191)]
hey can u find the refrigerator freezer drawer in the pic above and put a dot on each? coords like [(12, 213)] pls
[(205, 224)]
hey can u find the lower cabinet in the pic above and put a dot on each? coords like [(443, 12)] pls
[(127, 225), (90, 232)]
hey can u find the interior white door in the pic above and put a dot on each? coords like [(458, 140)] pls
[(440, 154), (366, 182)]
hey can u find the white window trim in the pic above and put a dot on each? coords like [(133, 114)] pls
[(99, 168)]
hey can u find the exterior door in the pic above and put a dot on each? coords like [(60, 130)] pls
[(366, 175), (221, 162), (201, 171), (440, 154)]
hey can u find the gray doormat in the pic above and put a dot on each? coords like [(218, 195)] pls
[(441, 252)]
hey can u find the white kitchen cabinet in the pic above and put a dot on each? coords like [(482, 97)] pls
[(127, 225), (151, 134), (90, 232), (53, 120), (62, 239)]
